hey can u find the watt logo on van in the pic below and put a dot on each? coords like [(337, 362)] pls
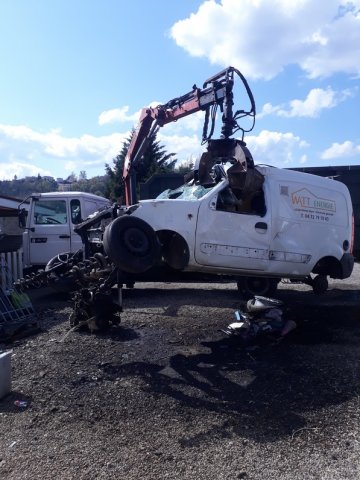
[(305, 199)]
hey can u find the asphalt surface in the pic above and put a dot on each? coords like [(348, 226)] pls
[(169, 395)]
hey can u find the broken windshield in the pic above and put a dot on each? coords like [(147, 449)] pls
[(188, 191)]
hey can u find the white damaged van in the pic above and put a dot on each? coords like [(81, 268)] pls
[(260, 225)]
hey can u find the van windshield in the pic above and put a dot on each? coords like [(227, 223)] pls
[(189, 191), (50, 212)]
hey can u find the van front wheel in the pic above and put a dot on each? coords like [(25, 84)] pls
[(262, 286), (131, 244)]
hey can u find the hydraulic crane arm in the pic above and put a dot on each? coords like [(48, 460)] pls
[(217, 91)]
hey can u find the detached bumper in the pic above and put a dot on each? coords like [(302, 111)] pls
[(346, 266)]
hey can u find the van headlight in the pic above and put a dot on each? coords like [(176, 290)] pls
[(132, 208)]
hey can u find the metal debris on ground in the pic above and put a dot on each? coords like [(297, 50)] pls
[(260, 316), (17, 314)]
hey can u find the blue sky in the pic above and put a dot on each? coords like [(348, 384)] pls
[(75, 74)]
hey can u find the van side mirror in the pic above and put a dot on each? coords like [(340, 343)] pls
[(22, 215)]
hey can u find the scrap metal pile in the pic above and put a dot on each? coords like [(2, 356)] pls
[(262, 316), (87, 273)]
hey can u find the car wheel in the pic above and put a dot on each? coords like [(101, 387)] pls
[(320, 284), (131, 244), (262, 286)]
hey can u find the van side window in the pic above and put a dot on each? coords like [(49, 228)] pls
[(251, 204), (227, 201), (50, 212), (75, 209), (90, 207)]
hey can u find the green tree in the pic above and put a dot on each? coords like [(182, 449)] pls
[(72, 177), (154, 160), (21, 188), (115, 187), (97, 185), (186, 167)]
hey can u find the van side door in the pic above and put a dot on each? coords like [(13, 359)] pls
[(49, 232), (234, 234)]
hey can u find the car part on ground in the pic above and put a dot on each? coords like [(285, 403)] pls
[(261, 317)]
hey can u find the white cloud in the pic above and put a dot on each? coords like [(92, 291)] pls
[(24, 151), (193, 123), (271, 148), (341, 150), (118, 115), (10, 169), (184, 146), (268, 109), (277, 149), (317, 100), (27, 152), (262, 37)]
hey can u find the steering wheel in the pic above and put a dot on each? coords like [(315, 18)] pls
[(51, 220)]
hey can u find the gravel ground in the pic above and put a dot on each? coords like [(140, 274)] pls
[(168, 395)]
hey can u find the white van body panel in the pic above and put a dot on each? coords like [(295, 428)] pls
[(179, 216), (313, 218), (231, 240)]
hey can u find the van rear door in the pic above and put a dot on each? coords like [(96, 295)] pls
[(49, 232)]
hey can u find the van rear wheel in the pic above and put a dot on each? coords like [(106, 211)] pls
[(320, 284), (251, 286)]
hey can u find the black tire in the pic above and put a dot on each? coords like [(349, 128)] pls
[(131, 244), (320, 284), (262, 286)]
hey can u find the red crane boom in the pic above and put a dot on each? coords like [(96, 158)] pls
[(217, 91)]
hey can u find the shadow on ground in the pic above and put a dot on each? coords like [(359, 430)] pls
[(265, 391)]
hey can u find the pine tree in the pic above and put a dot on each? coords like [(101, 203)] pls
[(154, 160), (115, 173)]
